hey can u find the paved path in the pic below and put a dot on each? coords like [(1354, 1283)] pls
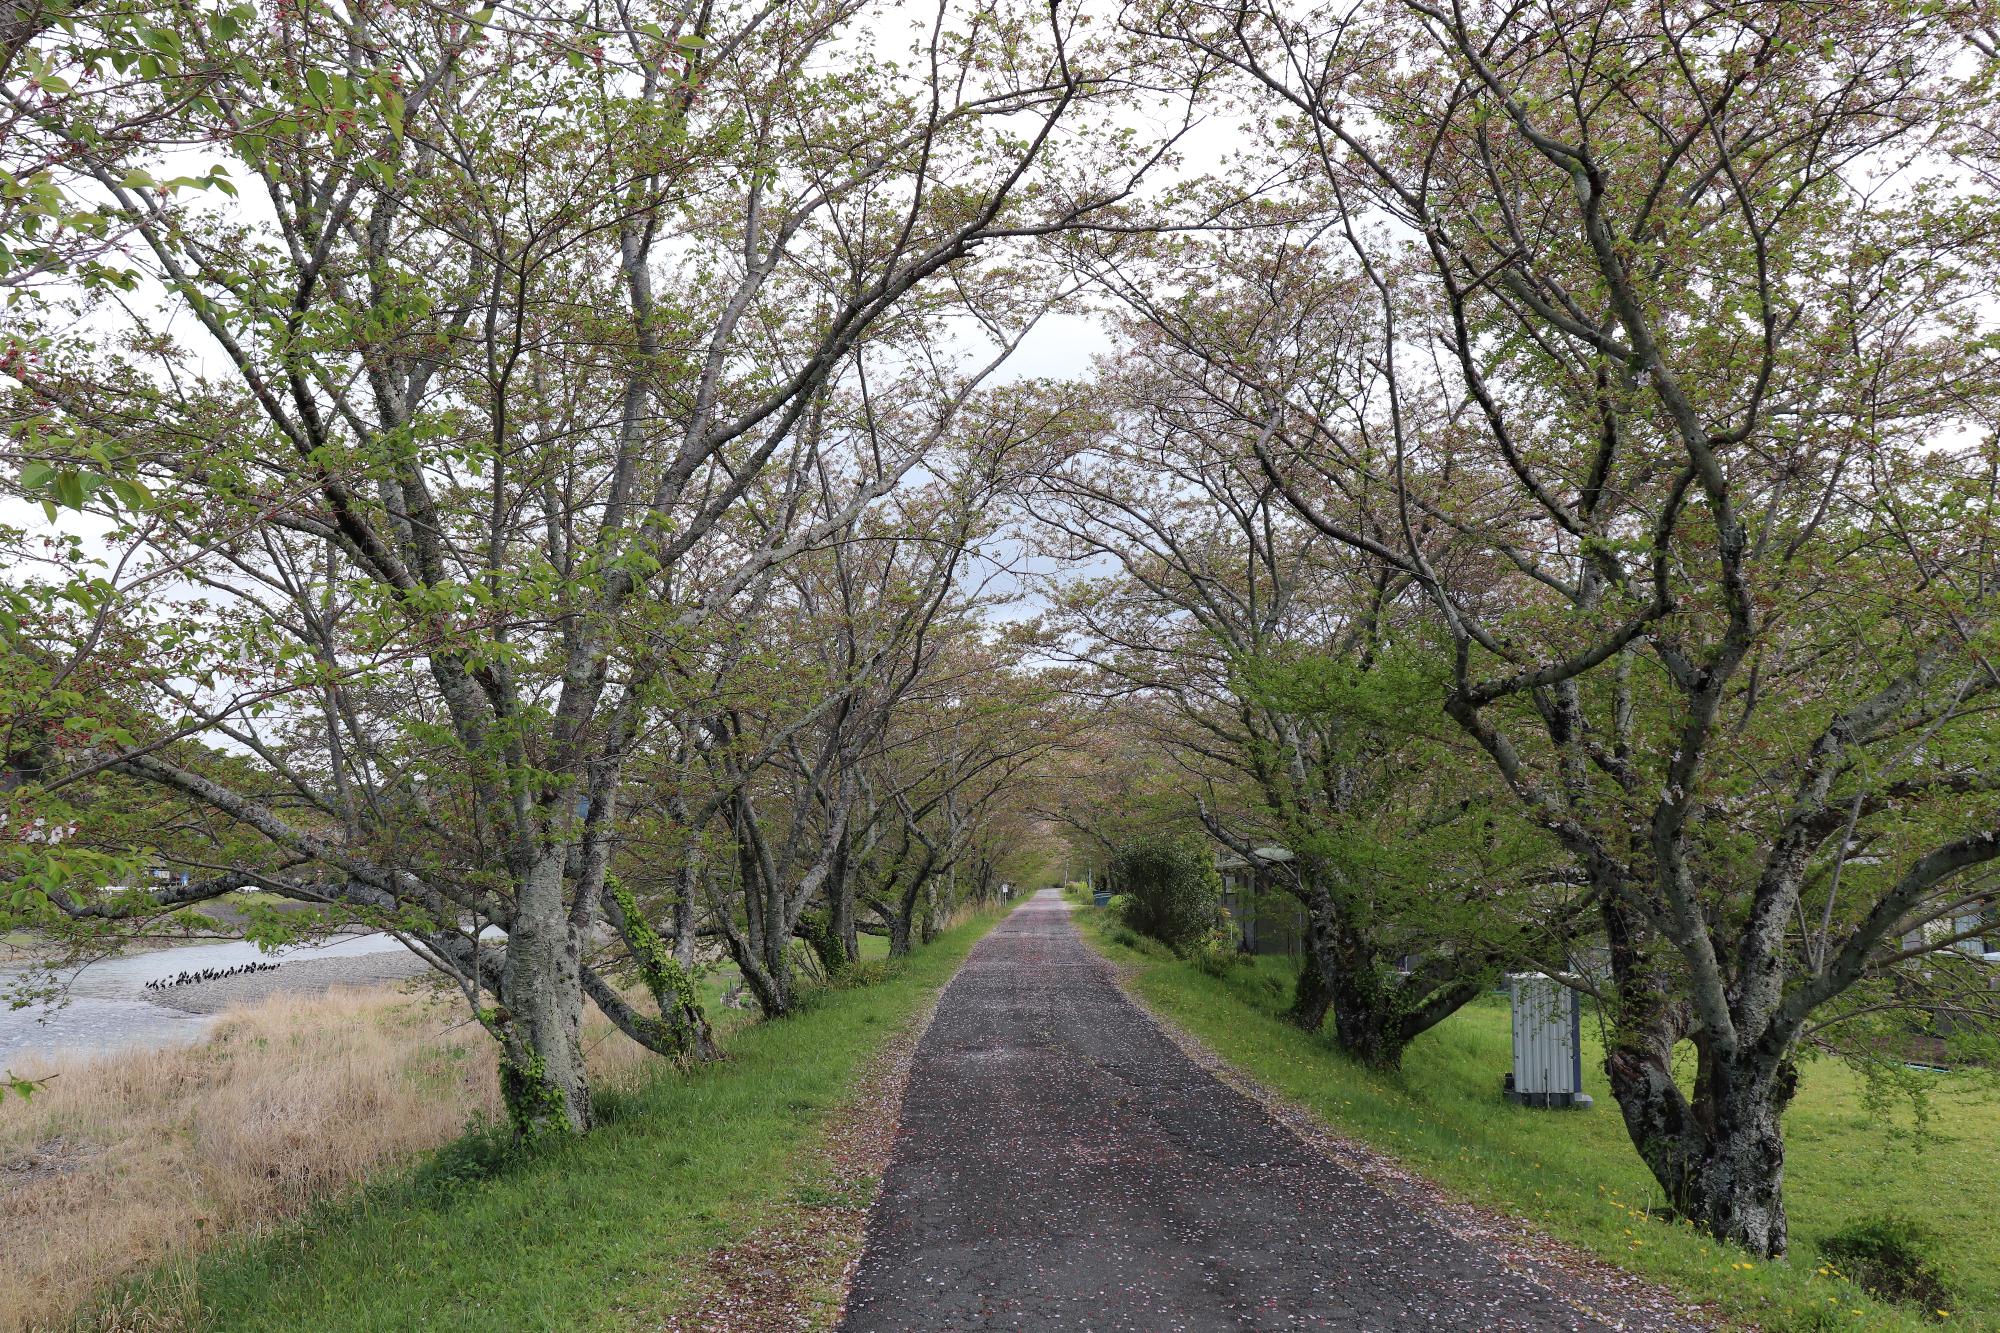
[(1063, 1165)]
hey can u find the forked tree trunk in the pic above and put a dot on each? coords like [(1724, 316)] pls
[(762, 953), (762, 947), (1366, 1022), (772, 987), (1719, 1157), (1376, 1013)]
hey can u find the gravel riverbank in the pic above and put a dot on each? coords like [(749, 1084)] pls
[(300, 976)]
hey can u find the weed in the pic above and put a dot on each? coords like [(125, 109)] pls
[(1887, 1255)]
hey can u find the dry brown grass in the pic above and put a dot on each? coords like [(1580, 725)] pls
[(129, 1161)]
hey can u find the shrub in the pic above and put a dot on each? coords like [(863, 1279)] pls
[(1220, 962), (1171, 891), (1885, 1256), (867, 972)]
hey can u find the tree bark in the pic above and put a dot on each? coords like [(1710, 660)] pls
[(1310, 997), (1365, 1028), (680, 1031), (1721, 1159), (1720, 1156), (772, 985), (1366, 1023), (539, 1022), (899, 936), (842, 907), (906, 922), (1742, 1179)]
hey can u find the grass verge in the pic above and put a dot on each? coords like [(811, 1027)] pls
[(1574, 1174), (602, 1232), (125, 1161)]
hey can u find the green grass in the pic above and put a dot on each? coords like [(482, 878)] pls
[(1574, 1173), (594, 1233), (715, 979)]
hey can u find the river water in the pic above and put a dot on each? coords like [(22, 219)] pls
[(107, 1006)]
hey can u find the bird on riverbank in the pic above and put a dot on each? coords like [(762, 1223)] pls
[(209, 974)]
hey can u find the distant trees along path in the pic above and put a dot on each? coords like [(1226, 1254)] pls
[(583, 491)]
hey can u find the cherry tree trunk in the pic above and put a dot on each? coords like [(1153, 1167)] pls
[(1367, 1023), (1720, 1157), (1310, 998), (540, 1020)]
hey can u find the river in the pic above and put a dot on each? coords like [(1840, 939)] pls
[(107, 1006)]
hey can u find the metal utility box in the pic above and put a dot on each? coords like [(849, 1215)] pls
[(1548, 1042)]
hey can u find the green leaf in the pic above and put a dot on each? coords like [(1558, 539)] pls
[(130, 494)]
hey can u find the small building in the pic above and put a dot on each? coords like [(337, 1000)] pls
[(1548, 1042), (1973, 944), (1268, 920)]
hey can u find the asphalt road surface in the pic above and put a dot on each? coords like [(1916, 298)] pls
[(1063, 1165)]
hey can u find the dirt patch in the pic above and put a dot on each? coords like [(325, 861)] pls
[(794, 1273), (56, 1156)]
